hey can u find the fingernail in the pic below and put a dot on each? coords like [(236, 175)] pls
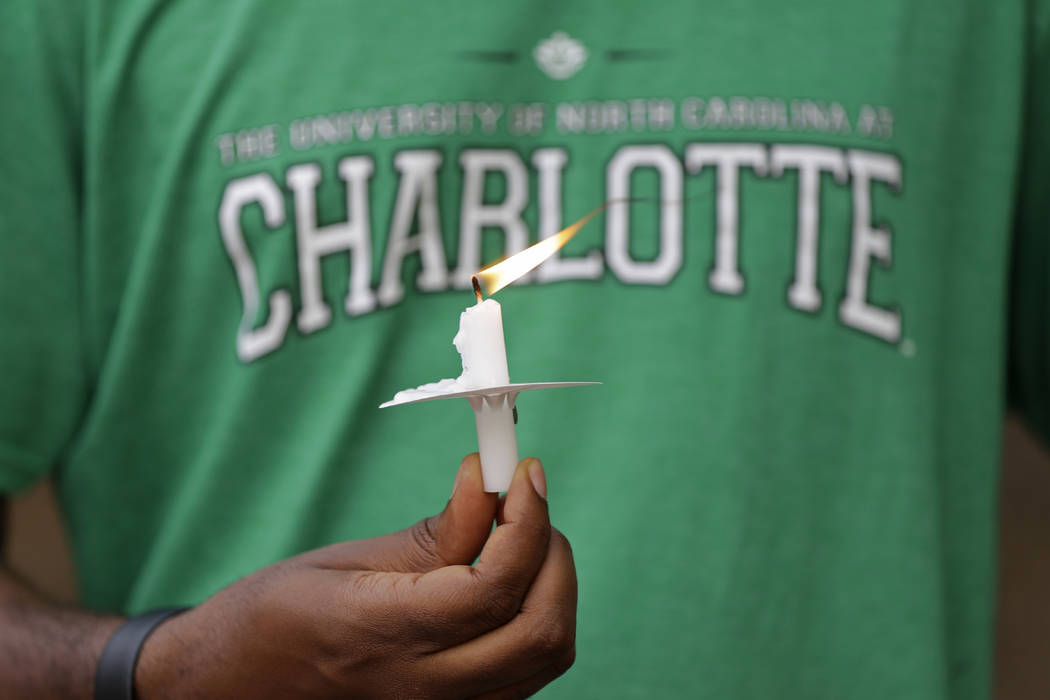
[(539, 479)]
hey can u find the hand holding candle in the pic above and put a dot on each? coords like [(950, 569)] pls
[(409, 613)]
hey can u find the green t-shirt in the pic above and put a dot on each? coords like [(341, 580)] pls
[(228, 231)]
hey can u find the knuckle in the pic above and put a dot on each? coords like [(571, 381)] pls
[(425, 543), (499, 605), (536, 529), (555, 637), (560, 543), (561, 540), (566, 661)]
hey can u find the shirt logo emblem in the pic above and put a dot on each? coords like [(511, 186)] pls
[(560, 56)]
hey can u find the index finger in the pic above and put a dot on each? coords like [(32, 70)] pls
[(537, 644), (515, 550), (468, 601)]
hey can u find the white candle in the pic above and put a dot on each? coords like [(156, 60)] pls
[(481, 346), (484, 354)]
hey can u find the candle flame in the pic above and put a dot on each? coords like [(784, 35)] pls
[(496, 277)]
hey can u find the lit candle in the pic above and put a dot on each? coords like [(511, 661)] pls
[(483, 351), (485, 380), (480, 343)]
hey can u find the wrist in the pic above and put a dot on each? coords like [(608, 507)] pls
[(117, 669)]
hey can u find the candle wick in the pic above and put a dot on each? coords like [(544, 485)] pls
[(477, 287)]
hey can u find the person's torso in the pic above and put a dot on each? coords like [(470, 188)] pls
[(784, 487)]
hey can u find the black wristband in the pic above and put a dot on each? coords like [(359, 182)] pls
[(115, 675)]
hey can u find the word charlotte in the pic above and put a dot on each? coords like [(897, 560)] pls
[(415, 227)]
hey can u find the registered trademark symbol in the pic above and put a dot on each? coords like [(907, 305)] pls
[(907, 347)]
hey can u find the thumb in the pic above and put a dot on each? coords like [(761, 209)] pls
[(453, 536)]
